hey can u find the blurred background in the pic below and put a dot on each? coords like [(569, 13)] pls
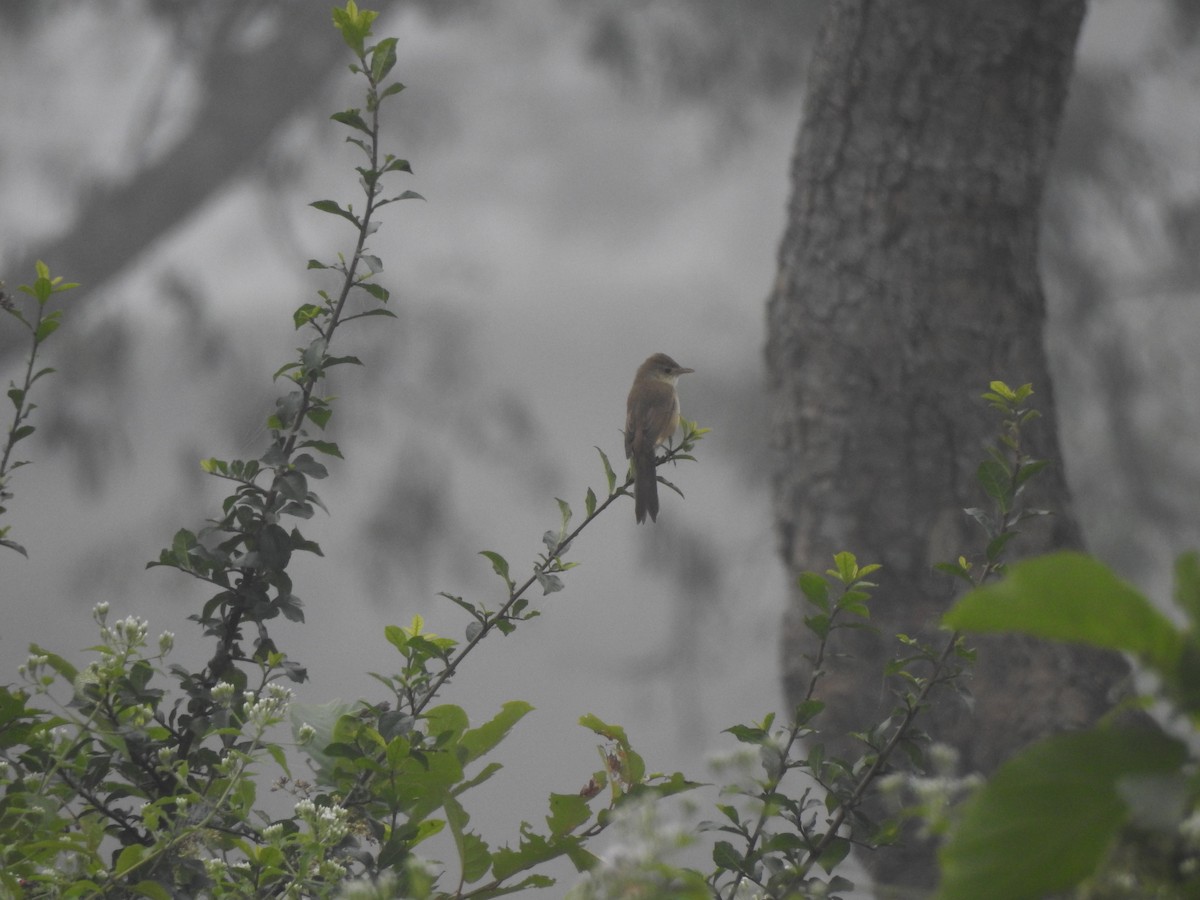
[(604, 181)]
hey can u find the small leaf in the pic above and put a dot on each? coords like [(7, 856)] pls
[(329, 448), (995, 481), (550, 583), (47, 327), (997, 544), (378, 291), (1029, 468), (331, 207), (727, 858), (383, 58), (499, 565), (305, 314), (13, 545), (567, 812), (815, 588), (609, 474), (353, 119), (480, 741)]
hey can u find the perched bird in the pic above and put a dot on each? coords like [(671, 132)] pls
[(652, 415)]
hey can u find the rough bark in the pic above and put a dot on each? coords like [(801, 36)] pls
[(907, 281)]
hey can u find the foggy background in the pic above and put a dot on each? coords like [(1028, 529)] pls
[(604, 181)]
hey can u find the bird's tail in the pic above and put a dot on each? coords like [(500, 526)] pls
[(645, 487)]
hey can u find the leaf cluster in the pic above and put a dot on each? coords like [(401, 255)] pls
[(1070, 797), (113, 785)]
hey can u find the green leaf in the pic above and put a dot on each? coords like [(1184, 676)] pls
[(995, 481), (532, 850), (380, 293), (846, 567), (320, 415), (56, 662), (1071, 597), (835, 852), (13, 545), (480, 741), (395, 636), (550, 584), (47, 327), (746, 734), (446, 720), (151, 889), (1029, 468), (355, 25), (725, 857), (474, 857), (602, 728), (1187, 586), (609, 474), (499, 566), (48, 370), (567, 812), (997, 544), (331, 207), (310, 467), (286, 367), (383, 58), (302, 316), (329, 448), (1005, 392), (128, 858), (1047, 817), (815, 588), (351, 118), (394, 88)]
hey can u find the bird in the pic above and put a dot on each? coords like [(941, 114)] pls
[(652, 415)]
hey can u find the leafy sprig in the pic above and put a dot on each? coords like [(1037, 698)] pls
[(40, 322)]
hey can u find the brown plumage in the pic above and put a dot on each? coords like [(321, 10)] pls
[(652, 415)]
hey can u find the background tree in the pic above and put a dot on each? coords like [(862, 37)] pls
[(908, 274)]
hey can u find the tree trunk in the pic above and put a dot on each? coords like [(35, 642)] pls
[(907, 281)]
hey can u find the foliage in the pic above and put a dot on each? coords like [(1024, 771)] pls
[(136, 777), (40, 322), (112, 784), (1067, 800)]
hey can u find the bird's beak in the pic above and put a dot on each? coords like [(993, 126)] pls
[(683, 371)]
